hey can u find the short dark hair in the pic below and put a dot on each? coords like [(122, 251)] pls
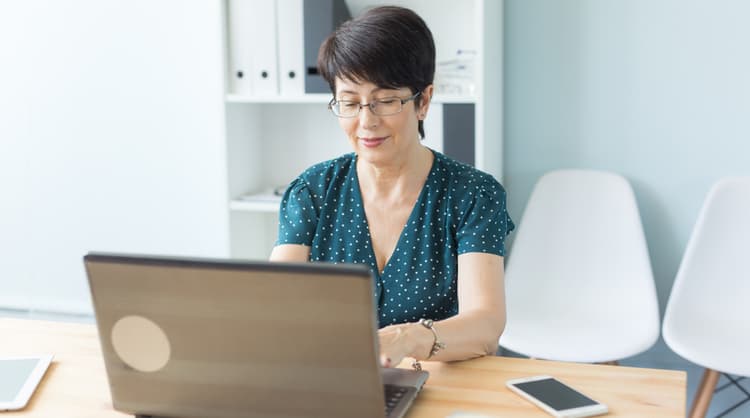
[(389, 46)]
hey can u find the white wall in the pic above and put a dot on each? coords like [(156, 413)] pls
[(111, 138), (657, 90)]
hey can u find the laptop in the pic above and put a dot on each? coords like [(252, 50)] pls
[(188, 337)]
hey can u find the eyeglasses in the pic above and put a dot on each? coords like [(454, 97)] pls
[(380, 107)]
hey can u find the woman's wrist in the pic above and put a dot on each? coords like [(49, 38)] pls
[(421, 340)]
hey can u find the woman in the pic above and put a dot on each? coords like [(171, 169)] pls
[(430, 228)]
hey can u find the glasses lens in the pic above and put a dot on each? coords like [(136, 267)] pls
[(385, 107), (345, 108)]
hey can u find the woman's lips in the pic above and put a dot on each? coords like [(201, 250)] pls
[(372, 142)]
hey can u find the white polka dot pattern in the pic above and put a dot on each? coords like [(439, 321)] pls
[(460, 210)]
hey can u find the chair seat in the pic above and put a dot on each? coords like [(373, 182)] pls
[(589, 342), (704, 339)]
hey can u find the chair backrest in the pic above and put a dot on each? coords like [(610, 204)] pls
[(580, 255), (712, 285)]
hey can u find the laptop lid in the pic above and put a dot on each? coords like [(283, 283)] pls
[(218, 338)]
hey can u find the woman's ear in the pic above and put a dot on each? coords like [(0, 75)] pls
[(424, 103)]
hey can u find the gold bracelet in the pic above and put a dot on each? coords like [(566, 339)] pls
[(437, 345)]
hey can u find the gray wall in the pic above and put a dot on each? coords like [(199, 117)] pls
[(657, 90)]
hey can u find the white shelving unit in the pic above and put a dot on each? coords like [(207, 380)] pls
[(270, 139), (303, 98), (325, 98)]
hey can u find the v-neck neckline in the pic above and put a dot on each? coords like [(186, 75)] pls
[(412, 214)]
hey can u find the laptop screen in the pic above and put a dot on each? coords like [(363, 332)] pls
[(214, 338)]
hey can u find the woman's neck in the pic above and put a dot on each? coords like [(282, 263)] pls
[(403, 178)]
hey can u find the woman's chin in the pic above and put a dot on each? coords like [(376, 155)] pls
[(372, 157)]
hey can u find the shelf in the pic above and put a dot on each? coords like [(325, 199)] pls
[(304, 98), (325, 98), (453, 99), (246, 205), (266, 201)]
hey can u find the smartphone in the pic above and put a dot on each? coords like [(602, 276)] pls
[(19, 376), (555, 397)]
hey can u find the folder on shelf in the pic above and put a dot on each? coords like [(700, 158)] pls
[(450, 128), (265, 68), (240, 17), (459, 122), (321, 17), (291, 52)]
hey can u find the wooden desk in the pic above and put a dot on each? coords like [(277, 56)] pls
[(76, 383)]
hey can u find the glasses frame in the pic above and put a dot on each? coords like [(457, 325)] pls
[(334, 102)]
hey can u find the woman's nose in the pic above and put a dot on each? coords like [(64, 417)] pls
[(367, 119)]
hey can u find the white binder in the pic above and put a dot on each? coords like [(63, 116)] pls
[(291, 51), (240, 18), (265, 73)]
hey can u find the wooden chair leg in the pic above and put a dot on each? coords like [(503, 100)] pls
[(704, 394)]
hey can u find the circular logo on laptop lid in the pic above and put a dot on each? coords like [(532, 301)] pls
[(141, 343)]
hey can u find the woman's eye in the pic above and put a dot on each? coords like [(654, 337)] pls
[(347, 105), (386, 101)]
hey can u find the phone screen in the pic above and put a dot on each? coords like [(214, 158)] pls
[(13, 375), (555, 394)]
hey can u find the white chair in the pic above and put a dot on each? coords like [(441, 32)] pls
[(707, 320), (579, 285)]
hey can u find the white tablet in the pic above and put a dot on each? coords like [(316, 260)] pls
[(19, 376)]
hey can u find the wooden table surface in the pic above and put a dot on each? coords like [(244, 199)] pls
[(76, 383)]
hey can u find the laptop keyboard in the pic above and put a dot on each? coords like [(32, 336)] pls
[(393, 395)]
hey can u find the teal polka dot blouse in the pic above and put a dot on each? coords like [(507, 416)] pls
[(459, 210)]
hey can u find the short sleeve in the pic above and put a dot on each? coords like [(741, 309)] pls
[(486, 222), (298, 217)]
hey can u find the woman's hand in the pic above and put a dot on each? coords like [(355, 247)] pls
[(394, 345), (400, 341)]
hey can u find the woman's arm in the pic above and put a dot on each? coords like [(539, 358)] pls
[(290, 253), (472, 333)]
